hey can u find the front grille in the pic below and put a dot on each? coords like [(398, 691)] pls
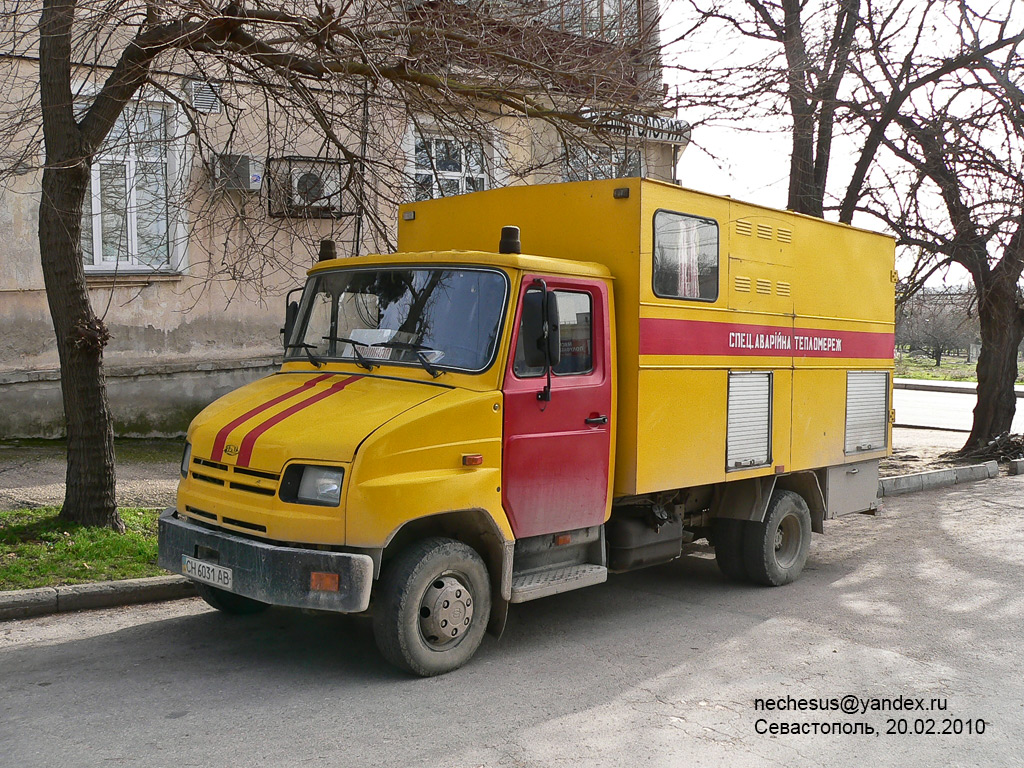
[(252, 489), (201, 513), (241, 479), (210, 464), (207, 479), (247, 526), (256, 473)]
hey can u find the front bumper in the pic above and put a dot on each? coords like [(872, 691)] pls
[(266, 572)]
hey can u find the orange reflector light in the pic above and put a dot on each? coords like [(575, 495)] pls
[(562, 539), (323, 582), (472, 459)]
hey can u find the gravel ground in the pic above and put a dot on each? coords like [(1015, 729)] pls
[(32, 474), (917, 450)]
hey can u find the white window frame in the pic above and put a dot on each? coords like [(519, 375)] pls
[(492, 172), (594, 156), (610, 20), (176, 159)]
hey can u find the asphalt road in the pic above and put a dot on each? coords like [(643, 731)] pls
[(942, 410), (656, 668)]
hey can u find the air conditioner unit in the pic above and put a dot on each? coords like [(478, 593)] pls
[(238, 172), (206, 97), (315, 189)]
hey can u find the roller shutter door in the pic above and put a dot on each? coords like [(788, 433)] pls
[(748, 432), (867, 406)]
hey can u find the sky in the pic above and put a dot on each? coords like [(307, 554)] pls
[(746, 164)]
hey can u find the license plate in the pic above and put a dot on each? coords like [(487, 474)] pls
[(208, 573)]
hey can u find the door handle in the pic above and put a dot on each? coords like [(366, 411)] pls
[(596, 420)]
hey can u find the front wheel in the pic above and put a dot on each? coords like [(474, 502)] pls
[(776, 549), (229, 602), (433, 605)]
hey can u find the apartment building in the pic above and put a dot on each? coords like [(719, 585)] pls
[(193, 238)]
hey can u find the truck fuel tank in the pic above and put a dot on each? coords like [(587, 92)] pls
[(634, 542)]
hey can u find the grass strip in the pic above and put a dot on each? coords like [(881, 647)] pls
[(38, 549)]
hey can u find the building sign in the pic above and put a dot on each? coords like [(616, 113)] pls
[(663, 130)]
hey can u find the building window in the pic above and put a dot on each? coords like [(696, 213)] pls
[(444, 166), (591, 163), (611, 20), (685, 257), (125, 220)]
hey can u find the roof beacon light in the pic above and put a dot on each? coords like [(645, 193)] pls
[(328, 250), (510, 240)]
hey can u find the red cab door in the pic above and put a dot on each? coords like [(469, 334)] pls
[(557, 453)]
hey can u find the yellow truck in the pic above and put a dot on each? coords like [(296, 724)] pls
[(498, 413)]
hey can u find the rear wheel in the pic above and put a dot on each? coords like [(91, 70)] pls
[(432, 607), (229, 602), (776, 549), (728, 537)]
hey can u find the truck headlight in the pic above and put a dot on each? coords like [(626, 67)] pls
[(306, 484), (186, 459)]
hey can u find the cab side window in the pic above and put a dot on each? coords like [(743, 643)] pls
[(575, 313)]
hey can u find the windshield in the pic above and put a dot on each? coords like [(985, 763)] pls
[(437, 318)]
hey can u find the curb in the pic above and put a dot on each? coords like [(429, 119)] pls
[(936, 478), (927, 385), (931, 429), (22, 603)]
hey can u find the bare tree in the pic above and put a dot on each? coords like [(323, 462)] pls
[(925, 100), (955, 192), (797, 68), (937, 321), (790, 62), (311, 72)]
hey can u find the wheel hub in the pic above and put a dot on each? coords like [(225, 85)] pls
[(787, 541), (446, 611)]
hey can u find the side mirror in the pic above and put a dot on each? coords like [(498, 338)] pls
[(540, 330), (291, 314)]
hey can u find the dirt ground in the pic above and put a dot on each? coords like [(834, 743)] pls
[(918, 450), (32, 472)]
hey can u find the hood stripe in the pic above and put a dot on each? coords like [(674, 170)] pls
[(245, 449), (222, 436)]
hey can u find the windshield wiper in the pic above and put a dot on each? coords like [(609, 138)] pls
[(361, 359), (419, 349), (305, 348)]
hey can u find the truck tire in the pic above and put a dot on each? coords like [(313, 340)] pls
[(432, 608), (776, 549), (728, 535), (229, 602)]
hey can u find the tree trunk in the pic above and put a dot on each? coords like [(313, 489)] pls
[(81, 336), (1002, 329)]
